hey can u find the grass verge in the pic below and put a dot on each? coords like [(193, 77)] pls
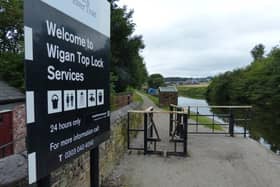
[(193, 92), (137, 97), (206, 122)]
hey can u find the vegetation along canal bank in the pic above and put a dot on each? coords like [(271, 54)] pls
[(196, 91), (258, 84), (261, 124)]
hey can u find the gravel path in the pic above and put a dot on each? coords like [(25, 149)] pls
[(214, 161)]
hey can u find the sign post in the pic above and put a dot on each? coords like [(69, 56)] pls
[(67, 45)]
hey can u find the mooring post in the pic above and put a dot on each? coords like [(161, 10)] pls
[(94, 167), (145, 132)]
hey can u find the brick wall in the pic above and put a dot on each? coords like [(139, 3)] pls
[(121, 100)]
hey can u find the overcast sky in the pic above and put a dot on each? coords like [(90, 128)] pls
[(203, 37)]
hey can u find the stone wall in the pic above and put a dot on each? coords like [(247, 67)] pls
[(112, 150), (77, 172), (19, 129)]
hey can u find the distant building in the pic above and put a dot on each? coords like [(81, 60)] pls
[(168, 95), (11, 119)]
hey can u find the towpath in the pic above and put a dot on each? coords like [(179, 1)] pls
[(214, 161)]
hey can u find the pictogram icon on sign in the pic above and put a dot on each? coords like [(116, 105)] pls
[(100, 97), (69, 100), (91, 98), (54, 101), (81, 99)]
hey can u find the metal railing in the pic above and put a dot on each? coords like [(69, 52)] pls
[(220, 123)]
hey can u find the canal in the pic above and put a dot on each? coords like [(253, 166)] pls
[(264, 126)]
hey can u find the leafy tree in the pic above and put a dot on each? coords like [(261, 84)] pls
[(11, 69), (257, 52), (257, 84), (11, 25), (155, 80), (127, 64)]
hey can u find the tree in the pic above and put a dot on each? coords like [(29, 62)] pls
[(155, 81), (127, 65), (11, 69), (258, 52), (11, 26)]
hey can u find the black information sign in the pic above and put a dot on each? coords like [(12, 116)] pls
[(67, 47)]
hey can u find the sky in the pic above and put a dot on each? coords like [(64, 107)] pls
[(198, 38)]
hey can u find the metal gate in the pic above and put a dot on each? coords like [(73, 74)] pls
[(150, 139), (6, 133)]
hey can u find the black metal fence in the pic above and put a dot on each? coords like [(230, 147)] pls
[(178, 135), (222, 120)]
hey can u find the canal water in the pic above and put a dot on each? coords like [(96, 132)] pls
[(264, 126)]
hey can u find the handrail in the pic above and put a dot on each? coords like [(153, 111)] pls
[(157, 111), (215, 106)]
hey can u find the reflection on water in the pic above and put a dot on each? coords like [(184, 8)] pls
[(264, 126)]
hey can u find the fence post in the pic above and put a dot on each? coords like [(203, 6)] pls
[(170, 120), (231, 124), (246, 122), (151, 115), (145, 132), (185, 122), (128, 128)]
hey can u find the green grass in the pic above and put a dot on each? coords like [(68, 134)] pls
[(193, 92), (155, 100), (206, 122), (137, 97)]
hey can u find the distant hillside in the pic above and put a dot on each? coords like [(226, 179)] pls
[(183, 79)]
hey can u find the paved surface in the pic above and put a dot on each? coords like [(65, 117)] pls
[(214, 161)]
